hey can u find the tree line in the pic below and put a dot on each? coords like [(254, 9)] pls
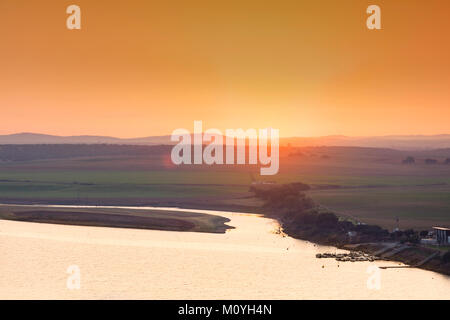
[(301, 217), (412, 160), (62, 151)]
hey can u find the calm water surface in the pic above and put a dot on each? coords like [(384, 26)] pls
[(249, 262)]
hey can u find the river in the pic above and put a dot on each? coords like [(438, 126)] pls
[(249, 262)]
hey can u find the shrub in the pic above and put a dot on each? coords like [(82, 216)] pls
[(446, 257), (423, 233), (327, 220), (346, 226)]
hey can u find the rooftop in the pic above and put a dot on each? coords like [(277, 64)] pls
[(441, 228)]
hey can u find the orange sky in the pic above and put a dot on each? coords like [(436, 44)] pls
[(309, 68)]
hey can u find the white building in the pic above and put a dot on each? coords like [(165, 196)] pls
[(442, 235)]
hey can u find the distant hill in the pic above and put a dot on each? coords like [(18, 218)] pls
[(405, 142), (36, 138)]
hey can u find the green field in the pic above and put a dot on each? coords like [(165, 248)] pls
[(416, 207), (33, 190), (76, 184), (142, 177)]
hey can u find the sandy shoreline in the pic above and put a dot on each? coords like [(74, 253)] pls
[(117, 217)]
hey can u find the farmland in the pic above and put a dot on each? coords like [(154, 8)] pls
[(370, 185), (416, 207)]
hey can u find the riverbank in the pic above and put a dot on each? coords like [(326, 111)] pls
[(302, 218), (412, 255), (242, 203), (135, 218)]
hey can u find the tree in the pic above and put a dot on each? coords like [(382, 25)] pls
[(300, 186), (327, 220), (423, 233), (446, 257), (409, 160)]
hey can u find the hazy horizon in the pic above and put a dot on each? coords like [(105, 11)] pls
[(399, 142), (281, 136)]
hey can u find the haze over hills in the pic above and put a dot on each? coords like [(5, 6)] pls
[(400, 142), (36, 138)]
